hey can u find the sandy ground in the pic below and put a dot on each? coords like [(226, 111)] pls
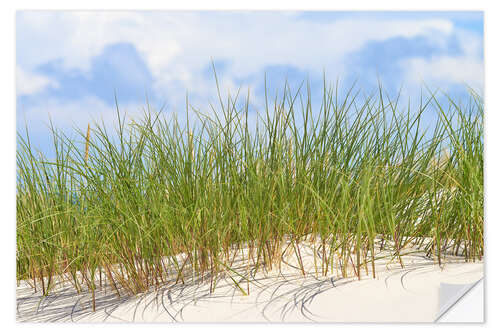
[(409, 294)]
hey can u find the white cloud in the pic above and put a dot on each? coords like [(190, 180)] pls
[(29, 83), (454, 70), (464, 69), (177, 46), (73, 114)]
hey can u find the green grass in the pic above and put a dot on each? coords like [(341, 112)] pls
[(123, 205)]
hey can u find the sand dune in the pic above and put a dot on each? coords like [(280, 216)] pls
[(409, 294)]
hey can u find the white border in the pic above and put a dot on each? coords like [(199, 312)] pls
[(256, 4), (7, 130)]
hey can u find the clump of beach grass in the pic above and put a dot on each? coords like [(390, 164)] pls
[(158, 198)]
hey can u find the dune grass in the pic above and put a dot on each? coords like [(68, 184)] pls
[(122, 206)]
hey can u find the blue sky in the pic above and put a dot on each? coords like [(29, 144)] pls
[(70, 64)]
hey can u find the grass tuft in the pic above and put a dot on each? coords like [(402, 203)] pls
[(157, 199)]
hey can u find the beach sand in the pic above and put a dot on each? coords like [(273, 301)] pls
[(397, 294)]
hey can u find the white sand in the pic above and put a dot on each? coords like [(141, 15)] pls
[(409, 294)]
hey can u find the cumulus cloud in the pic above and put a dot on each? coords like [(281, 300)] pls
[(76, 113), (177, 46), (447, 69), (465, 68), (30, 83)]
